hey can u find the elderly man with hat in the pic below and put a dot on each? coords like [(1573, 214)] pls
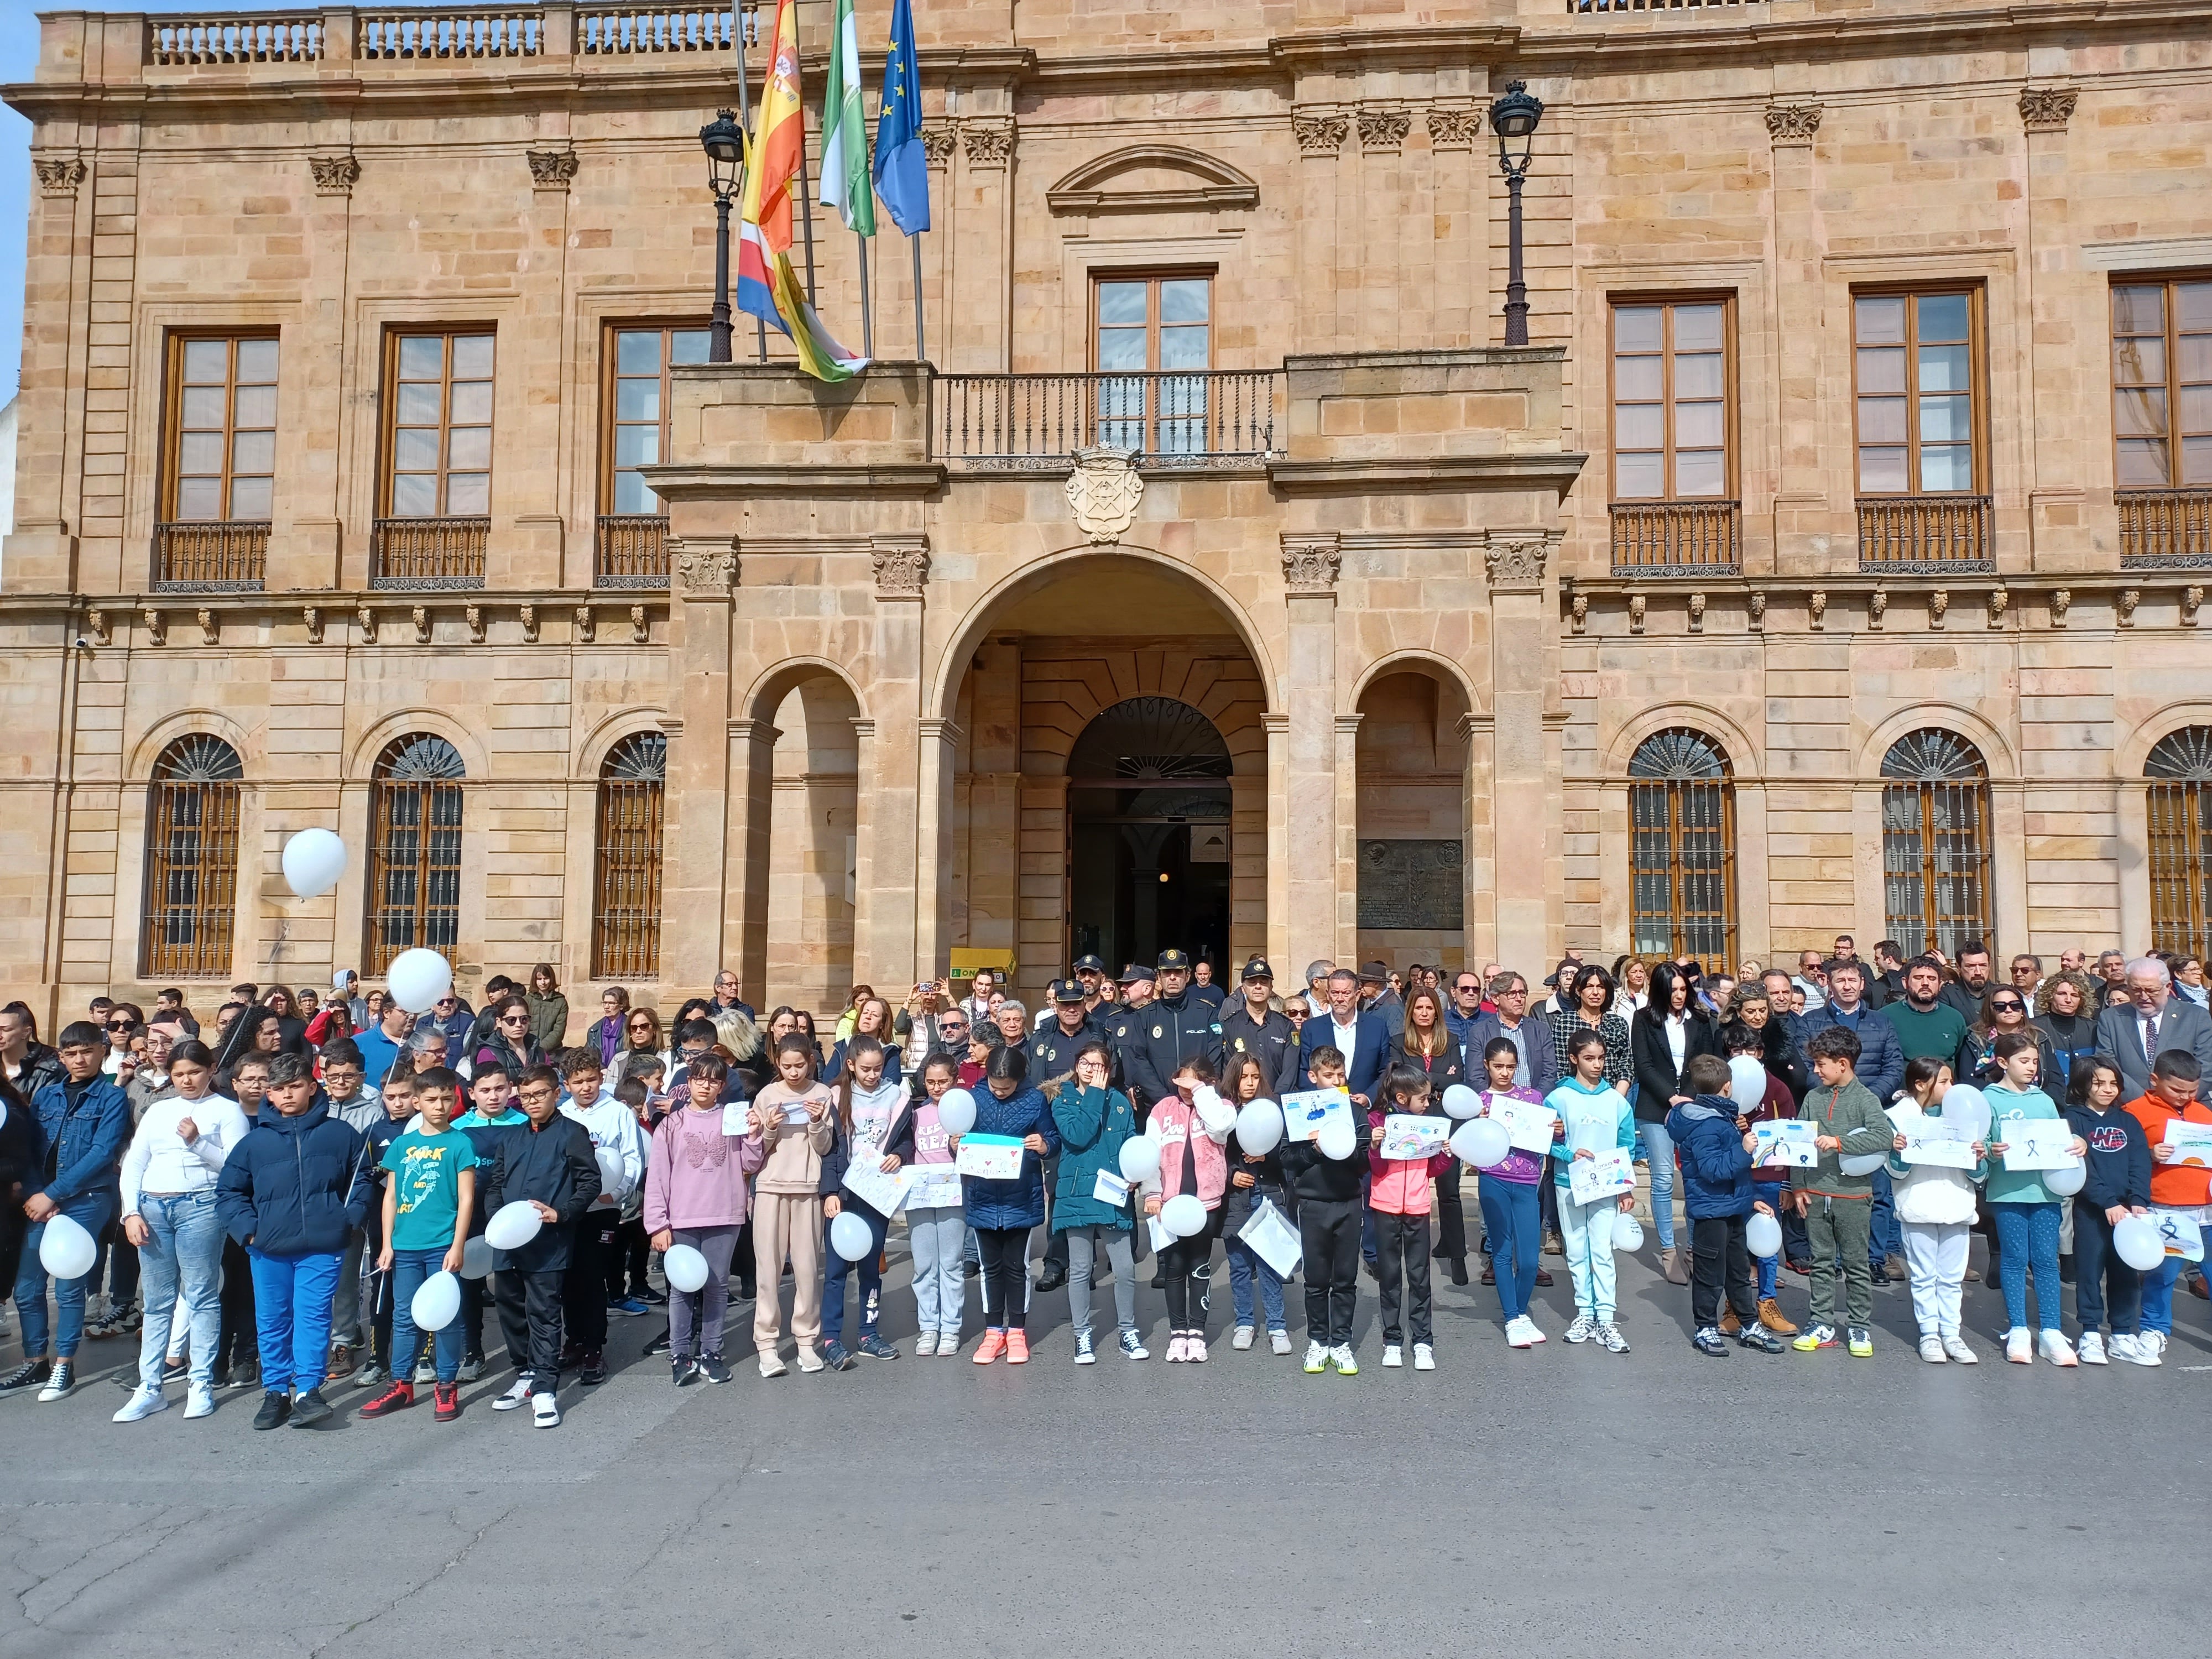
[(1376, 996), (1162, 1034), (1251, 1027)]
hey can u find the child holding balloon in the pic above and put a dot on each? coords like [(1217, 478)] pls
[(1720, 1198), (2116, 1177), (1836, 1197), (1936, 1205), (696, 1196), (427, 1204), (2026, 1211), (1510, 1212), (936, 1233), (873, 1124), (1192, 1163), (1594, 1116), (1255, 1177), (2175, 1080)]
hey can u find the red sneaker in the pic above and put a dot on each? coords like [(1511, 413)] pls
[(448, 1396), (396, 1398), (1018, 1348), (994, 1345)]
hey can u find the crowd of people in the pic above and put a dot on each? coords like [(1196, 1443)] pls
[(274, 1195)]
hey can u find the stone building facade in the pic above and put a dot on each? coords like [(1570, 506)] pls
[(1832, 558)]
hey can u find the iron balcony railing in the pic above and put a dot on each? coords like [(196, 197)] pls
[(428, 553), (1676, 538), (211, 556), (633, 551), (2164, 528), (1931, 533), (1035, 421)]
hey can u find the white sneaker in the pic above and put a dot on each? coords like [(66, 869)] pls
[(771, 1364), (1242, 1339), (2136, 1351), (2155, 1341), (426, 1372), (1425, 1356), (1394, 1356), (2058, 1350), (143, 1404), (810, 1359), (2091, 1350), (1279, 1341), (199, 1401), (926, 1345), (1316, 1359), (544, 1413), (1955, 1346), (1345, 1361), (1521, 1332), (2020, 1346), (516, 1396), (1608, 1335), (1582, 1329), (1931, 1350)]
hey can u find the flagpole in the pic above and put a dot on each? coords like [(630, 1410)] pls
[(805, 211), (745, 121), (921, 352), (867, 315)]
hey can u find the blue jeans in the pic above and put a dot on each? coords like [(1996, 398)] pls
[(1244, 1266), (835, 1270), (292, 1311), (1883, 1239), (184, 1252), (409, 1269), (2028, 1237), (1659, 1148), (2157, 1296), (91, 1214), (1513, 1218)]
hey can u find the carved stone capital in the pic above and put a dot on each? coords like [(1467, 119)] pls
[(901, 565), (1384, 131), (1320, 135), (1451, 128), (59, 175), (551, 169), (988, 144), (2047, 109), (335, 175), (704, 569), (1792, 123), (937, 144), (1311, 563), (1516, 564)]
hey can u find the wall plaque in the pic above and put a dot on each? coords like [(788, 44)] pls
[(1410, 884)]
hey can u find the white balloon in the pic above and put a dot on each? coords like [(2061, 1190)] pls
[(1460, 1100), (1627, 1232), (65, 1249), (1482, 1141), (418, 978), (1336, 1139), (611, 1172), (685, 1267), (1260, 1127), (1762, 1235), (1140, 1159), (1969, 1108), (313, 860), (1859, 1164), (850, 1237), (1183, 1215), (476, 1257), (514, 1226), (1747, 1082), (2066, 1180), (437, 1302), (956, 1113), (2136, 1239)]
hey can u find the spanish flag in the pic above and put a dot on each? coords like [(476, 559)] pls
[(772, 163)]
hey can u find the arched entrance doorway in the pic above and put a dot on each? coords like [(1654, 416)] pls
[(1149, 823)]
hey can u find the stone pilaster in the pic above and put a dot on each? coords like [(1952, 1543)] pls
[(889, 834), (1525, 779), (700, 745), (1305, 803)]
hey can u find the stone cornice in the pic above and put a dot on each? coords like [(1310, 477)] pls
[(681, 483), (1368, 476)]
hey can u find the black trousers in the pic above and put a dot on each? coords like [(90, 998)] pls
[(530, 1319), (1005, 1253), (1402, 1243), (1718, 1258), (1328, 1229), (584, 1286), (624, 1255), (239, 1339), (1450, 1216), (1178, 1261), (472, 1315)]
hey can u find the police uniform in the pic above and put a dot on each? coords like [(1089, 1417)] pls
[(1155, 1040), (1272, 1040)]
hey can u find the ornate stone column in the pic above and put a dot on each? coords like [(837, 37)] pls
[(1524, 800), (1305, 803), (700, 741), (885, 922)]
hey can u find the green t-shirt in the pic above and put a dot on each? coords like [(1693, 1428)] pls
[(426, 1170), (1934, 1035)]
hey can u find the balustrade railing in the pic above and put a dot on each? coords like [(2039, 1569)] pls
[(1936, 533), (492, 32), (1676, 538), (1025, 421), (277, 37), (211, 555), (633, 551), (428, 553), (2169, 529)]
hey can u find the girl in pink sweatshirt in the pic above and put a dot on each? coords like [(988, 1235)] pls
[(695, 1194), (1398, 1202), (1191, 1161)]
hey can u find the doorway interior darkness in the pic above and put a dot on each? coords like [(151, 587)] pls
[(1148, 836)]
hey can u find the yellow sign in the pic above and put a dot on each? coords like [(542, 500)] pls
[(965, 963)]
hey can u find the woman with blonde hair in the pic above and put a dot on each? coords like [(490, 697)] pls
[(747, 1049)]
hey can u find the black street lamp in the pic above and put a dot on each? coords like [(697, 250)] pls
[(726, 152), (1513, 118)]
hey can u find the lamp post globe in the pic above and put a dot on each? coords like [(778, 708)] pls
[(725, 144)]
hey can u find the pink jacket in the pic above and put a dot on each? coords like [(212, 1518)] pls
[(695, 1175), (1172, 1122), (1399, 1186)]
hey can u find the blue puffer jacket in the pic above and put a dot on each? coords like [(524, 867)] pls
[(1093, 1123), (86, 1141), (1716, 1169), (1019, 1202), (295, 1186)]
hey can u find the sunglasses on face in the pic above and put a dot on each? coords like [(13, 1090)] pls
[(640, 1026), (514, 1019), (2008, 1008), (122, 1025)]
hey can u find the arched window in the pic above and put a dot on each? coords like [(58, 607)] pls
[(192, 860), (1936, 842), (1681, 816), (626, 885), (2179, 767), (415, 849)]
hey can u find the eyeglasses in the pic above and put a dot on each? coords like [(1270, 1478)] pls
[(2009, 1007), (514, 1019), (640, 1026), (122, 1025)]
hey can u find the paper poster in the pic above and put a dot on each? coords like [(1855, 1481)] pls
[(883, 1193), (737, 1117), (1931, 1140), (989, 1157), (1305, 1110), (2192, 1142), (794, 1113), (1408, 1136), (1111, 1189), (1607, 1174), (1528, 1122), (2034, 1143), (1273, 1239), (933, 1187), (1156, 1230), (1786, 1145), (2179, 1231)]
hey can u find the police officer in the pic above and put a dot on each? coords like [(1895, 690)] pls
[(1052, 1049), (1173, 1027), (1118, 1022), (1251, 1027), (1090, 974)]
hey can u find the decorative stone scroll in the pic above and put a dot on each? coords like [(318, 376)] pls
[(1788, 125), (1517, 566), (1320, 135), (1310, 563), (2047, 109), (335, 175)]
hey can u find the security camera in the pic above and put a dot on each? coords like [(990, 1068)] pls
[(82, 643)]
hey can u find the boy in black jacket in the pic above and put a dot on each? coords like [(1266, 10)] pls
[(547, 1163), (1330, 1214), (2116, 1185)]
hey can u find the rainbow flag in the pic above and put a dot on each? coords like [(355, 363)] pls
[(819, 355), (772, 163)]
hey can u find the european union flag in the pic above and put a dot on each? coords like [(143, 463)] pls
[(902, 171)]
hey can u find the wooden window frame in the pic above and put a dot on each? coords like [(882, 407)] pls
[(2168, 280), (217, 808), (1730, 395), (2177, 825), (628, 866), (1933, 918), (389, 428), (1977, 367), (1678, 915), (1152, 276), (172, 416), (434, 926), (609, 372)]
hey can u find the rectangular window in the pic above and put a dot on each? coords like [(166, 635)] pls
[(222, 448), (1674, 422), (1160, 327), (438, 432), (633, 428), (2162, 383), (1916, 375)]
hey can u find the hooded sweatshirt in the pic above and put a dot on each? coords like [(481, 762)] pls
[(1597, 1119), (882, 1123), (2118, 1165), (1716, 1169), (2009, 1105), (295, 1186), (695, 1175), (613, 1129)]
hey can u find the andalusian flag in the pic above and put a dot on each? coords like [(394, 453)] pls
[(845, 183), (764, 217), (819, 355)]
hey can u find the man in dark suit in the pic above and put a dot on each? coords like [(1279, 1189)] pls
[(2131, 1039), (1531, 1033), (1360, 1033)]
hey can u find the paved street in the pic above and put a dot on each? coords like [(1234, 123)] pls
[(1561, 1501)]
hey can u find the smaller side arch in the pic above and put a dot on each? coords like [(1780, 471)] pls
[(1744, 759), (2132, 751), (775, 683), (1996, 753), (1413, 658), (184, 723), (592, 748), (361, 764)]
